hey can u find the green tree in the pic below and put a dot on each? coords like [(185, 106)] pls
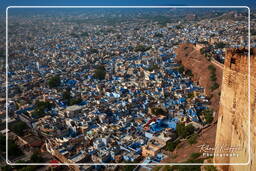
[(193, 139), (220, 45), (158, 35), (170, 146), (85, 34), (188, 167), (179, 26), (180, 129), (66, 95), (19, 127), (181, 69), (2, 143), (188, 72), (2, 54), (118, 37), (128, 168), (74, 101), (100, 73), (158, 111), (210, 168), (253, 32), (191, 95), (141, 48), (18, 167), (213, 77), (208, 118), (54, 81), (195, 155), (40, 108), (184, 131), (6, 168), (36, 158), (157, 168), (153, 67), (74, 35), (214, 86), (190, 129), (43, 105), (211, 67), (92, 50), (208, 115), (28, 168), (13, 149)]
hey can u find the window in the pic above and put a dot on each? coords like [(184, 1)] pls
[(233, 61)]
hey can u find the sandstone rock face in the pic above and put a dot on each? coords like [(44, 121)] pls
[(233, 121), (190, 57)]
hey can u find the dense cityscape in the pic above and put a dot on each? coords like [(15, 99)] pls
[(104, 85)]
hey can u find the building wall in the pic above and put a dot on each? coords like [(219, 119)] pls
[(233, 120), (148, 152)]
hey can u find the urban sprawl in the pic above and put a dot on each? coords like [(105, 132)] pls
[(104, 87)]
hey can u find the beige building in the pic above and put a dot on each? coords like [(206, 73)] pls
[(154, 145)]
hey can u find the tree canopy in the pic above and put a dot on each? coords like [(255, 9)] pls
[(100, 72), (184, 131), (141, 48), (19, 127), (40, 108), (220, 45), (54, 81), (193, 139), (158, 111), (170, 146)]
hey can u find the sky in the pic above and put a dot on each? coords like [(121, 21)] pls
[(5, 3), (250, 3)]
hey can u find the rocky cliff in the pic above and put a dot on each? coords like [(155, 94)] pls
[(232, 137), (190, 57)]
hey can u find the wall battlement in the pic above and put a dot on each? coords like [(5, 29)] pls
[(233, 118), (237, 58)]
